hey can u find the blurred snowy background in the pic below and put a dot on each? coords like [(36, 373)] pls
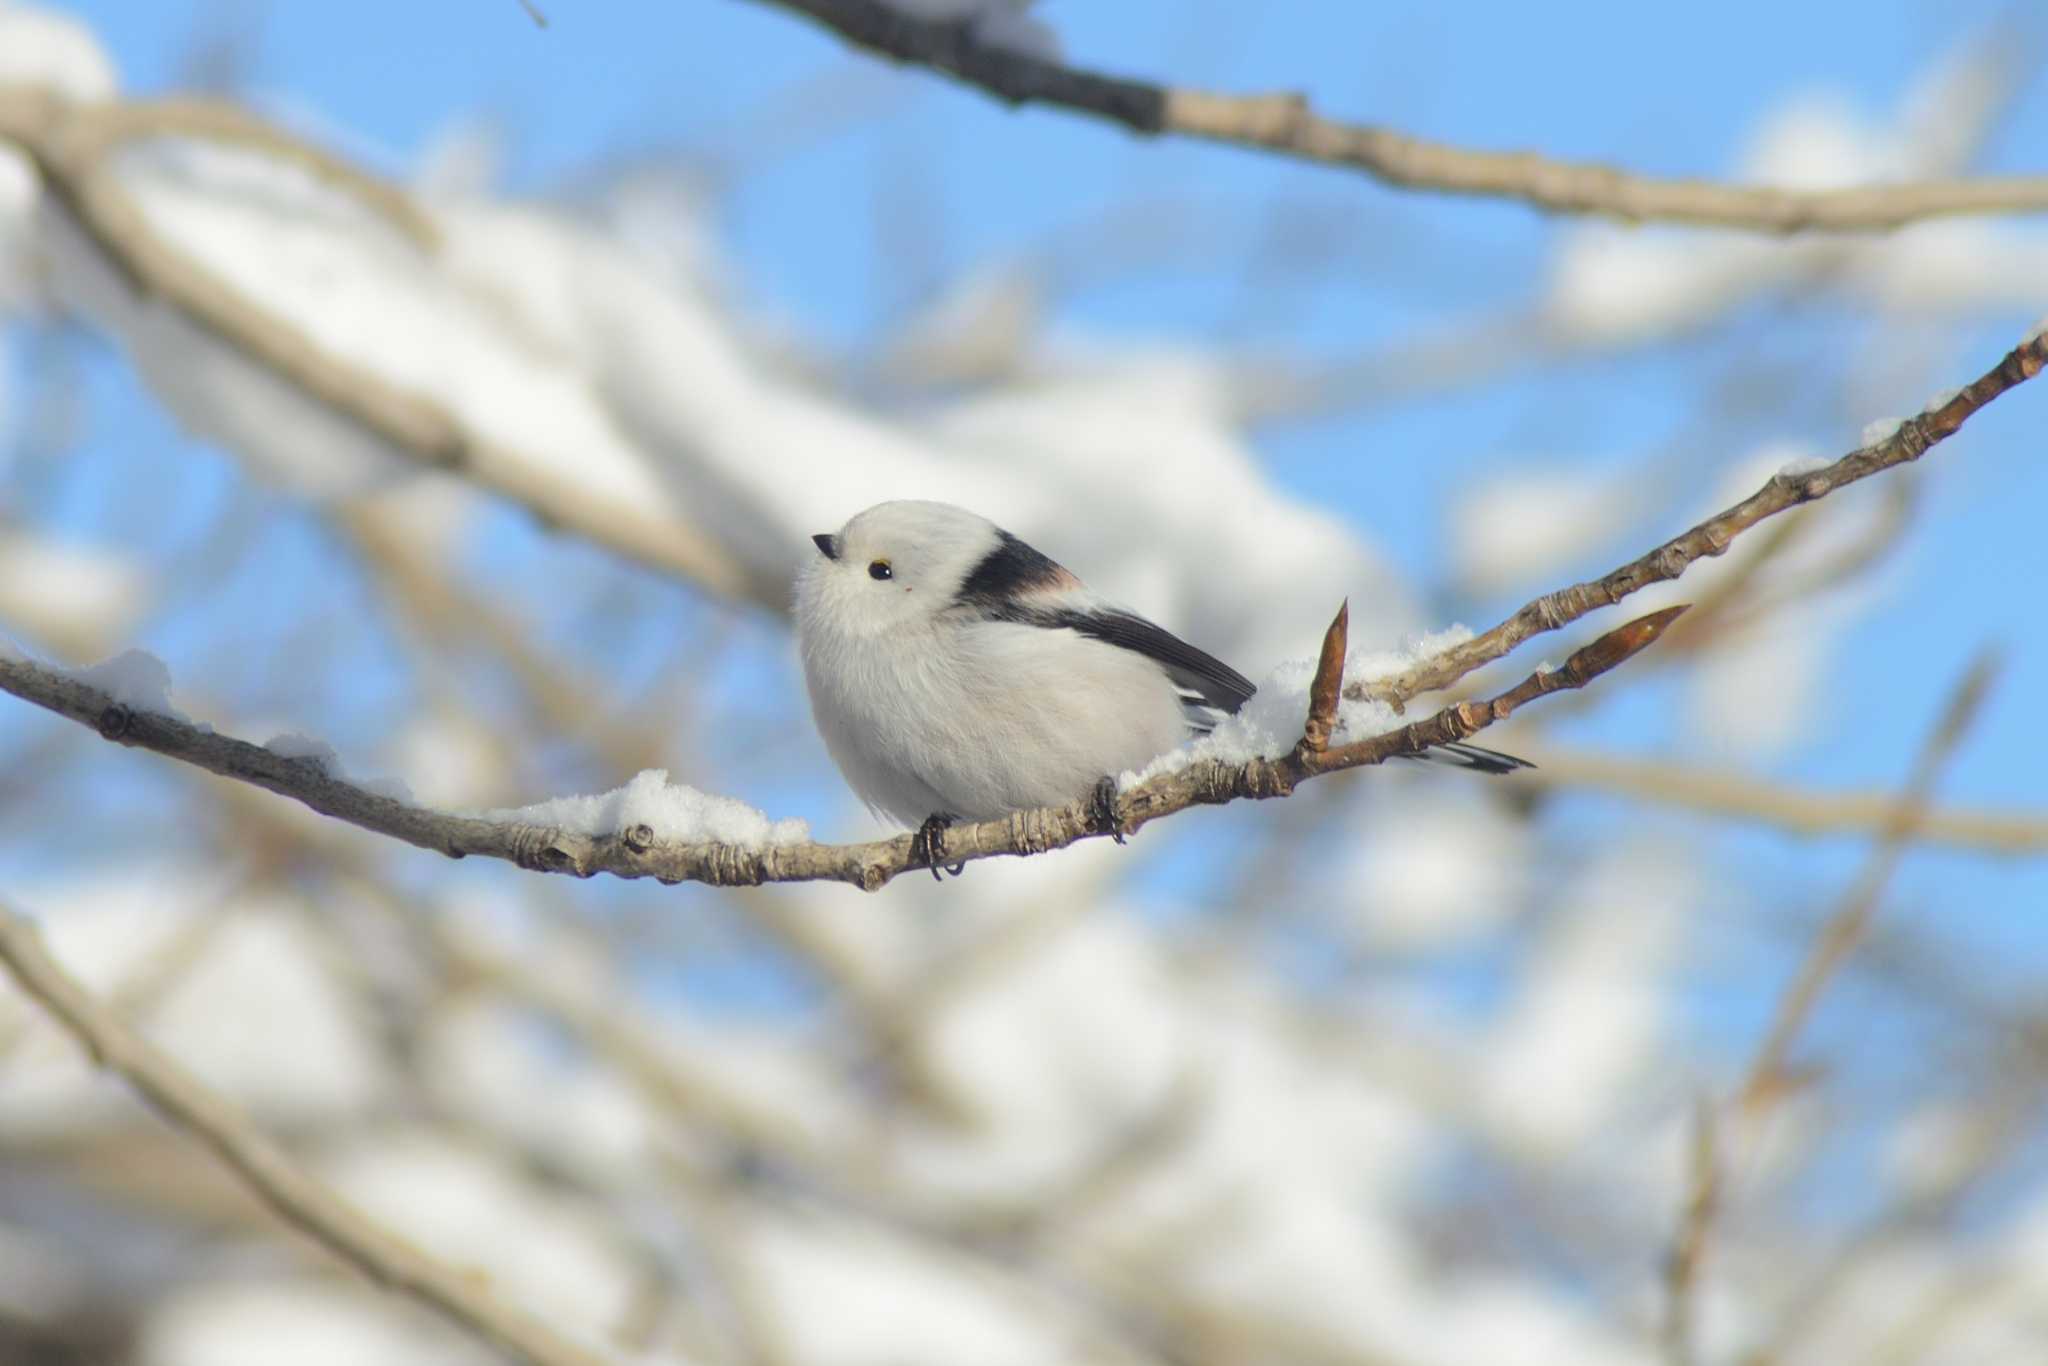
[(1412, 1068)]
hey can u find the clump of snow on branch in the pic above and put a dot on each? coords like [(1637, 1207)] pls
[(136, 679), (674, 812), (1269, 724), (297, 745), (1801, 465), (141, 682), (322, 756)]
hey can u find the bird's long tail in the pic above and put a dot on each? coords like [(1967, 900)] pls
[(1473, 757)]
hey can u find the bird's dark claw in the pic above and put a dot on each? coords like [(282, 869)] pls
[(1102, 817), (925, 844)]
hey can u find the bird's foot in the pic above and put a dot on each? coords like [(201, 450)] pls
[(925, 844), (1102, 815)]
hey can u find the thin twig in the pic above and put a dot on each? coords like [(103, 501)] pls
[(1286, 124), (1793, 810), (1768, 1075), (1845, 927), (1913, 439), (1689, 1250), (272, 1175)]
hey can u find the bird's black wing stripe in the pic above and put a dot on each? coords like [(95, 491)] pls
[(1212, 681), (1011, 569)]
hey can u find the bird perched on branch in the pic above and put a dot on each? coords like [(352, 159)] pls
[(957, 673)]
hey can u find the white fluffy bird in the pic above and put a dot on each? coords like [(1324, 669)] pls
[(957, 673)]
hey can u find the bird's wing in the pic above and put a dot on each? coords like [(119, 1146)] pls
[(1204, 680), (1016, 583)]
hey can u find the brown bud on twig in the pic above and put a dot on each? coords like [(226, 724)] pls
[(1328, 687), (1619, 644), (1589, 662)]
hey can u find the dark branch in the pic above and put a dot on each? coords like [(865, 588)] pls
[(1285, 124)]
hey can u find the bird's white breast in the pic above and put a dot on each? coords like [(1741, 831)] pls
[(983, 718)]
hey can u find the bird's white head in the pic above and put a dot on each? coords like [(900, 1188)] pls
[(892, 566)]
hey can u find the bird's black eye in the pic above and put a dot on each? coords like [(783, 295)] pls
[(879, 569)]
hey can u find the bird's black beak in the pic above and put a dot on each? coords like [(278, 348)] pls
[(827, 543)]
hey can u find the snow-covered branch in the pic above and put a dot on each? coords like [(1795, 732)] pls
[(962, 46), (682, 843), (72, 146)]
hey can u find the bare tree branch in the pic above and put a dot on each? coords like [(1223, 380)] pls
[(1689, 1250), (638, 851), (1286, 124), (268, 1171)]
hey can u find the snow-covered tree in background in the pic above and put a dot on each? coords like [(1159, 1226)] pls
[(501, 497)]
